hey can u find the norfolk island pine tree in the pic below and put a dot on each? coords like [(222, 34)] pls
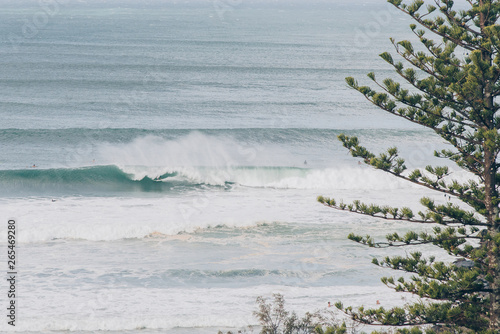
[(457, 98)]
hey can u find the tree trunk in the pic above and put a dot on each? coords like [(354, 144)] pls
[(492, 248), (489, 173)]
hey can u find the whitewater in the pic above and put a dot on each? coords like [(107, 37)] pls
[(162, 160)]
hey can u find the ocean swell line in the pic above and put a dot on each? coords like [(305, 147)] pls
[(116, 179)]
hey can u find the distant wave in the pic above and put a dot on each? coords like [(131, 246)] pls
[(95, 178), (274, 135), (112, 178)]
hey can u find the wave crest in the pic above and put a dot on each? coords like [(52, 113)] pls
[(163, 179)]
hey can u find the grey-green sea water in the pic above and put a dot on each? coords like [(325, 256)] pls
[(162, 159)]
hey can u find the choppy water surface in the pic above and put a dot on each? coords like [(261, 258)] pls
[(178, 152)]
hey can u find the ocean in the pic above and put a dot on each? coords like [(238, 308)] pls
[(162, 160)]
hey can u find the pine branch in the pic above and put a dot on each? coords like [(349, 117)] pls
[(386, 164), (404, 214), (458, 23), (381, 101), (341, 207), (455, 105), (432, 26), (427, 111), (411, 58)]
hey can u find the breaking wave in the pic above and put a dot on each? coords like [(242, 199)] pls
[(112, 178)]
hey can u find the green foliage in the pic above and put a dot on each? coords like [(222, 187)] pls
[(342, 329), (457, 97), (275, 319)]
